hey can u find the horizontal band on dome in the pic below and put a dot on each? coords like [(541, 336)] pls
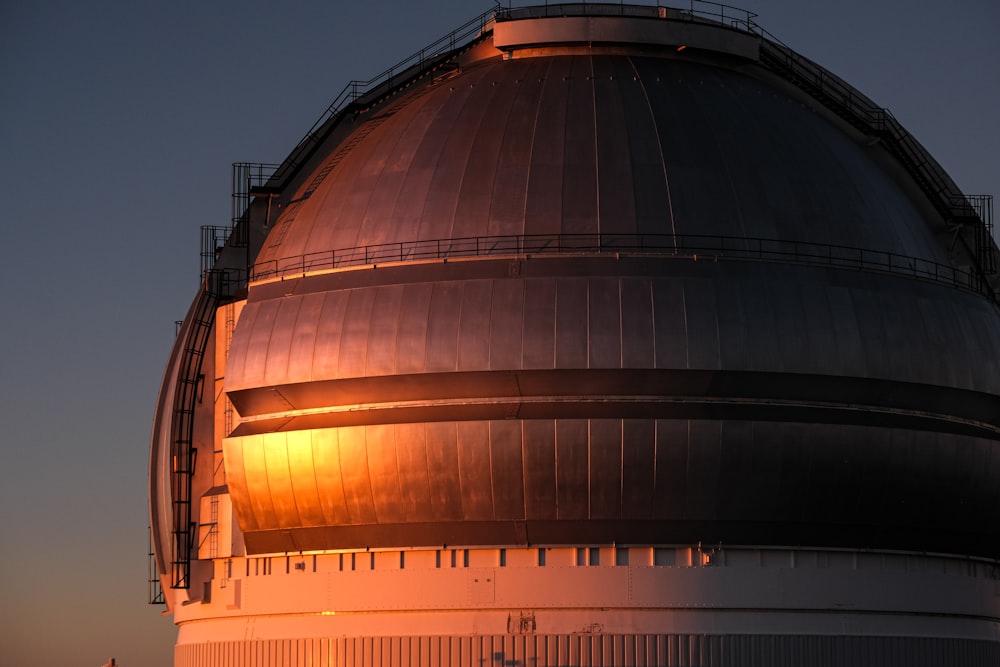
[(616, 393), (621, 532)]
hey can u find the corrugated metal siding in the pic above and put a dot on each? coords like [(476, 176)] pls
[(594, 651)]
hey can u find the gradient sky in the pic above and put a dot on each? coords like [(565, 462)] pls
[(118, 125)]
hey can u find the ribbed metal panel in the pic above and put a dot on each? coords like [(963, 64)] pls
[(355, 485), (609, 143), (594, 651)]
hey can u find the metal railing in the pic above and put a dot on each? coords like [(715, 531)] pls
[(697, 9), (690, 246), (247, 176), (411, 67), (827, 88), (962, 211)]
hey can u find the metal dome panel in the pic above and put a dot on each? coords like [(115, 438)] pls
[(600, 144)]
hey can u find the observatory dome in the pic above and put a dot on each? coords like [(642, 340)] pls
[(481, 324), (537, 331)]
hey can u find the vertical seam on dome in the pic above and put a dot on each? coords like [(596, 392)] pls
[(318, 486), (291, 484), (399, 482), (659, 147), (531, 152), (597, 167)]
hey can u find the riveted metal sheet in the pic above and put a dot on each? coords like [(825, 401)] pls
[(539, 328), (443, 319), (380, 446), (380, 351), (257, 344), (328, 476), (410, 346), (763, 341), (579, 184), (637, 335), (475, 189), (605, 445), (701, 320), (456, 135), (259, 500), (572, 469), (670, 484), (669, 324), (354, 470), (872, 331), (414, 473), (507, 469), (305, 332), (236, 358), (302, 474), (238, 488), (703, 491), (638, 469), (604, 318), (616, 211), (734, 345), (443, 463), (329, 335), (474, 478), (279, 480), (540, 500), (276, 366), (505, 331), (474, 325), (354, 337), (543, 210), (571, 312), (429, 131), (507, 201)]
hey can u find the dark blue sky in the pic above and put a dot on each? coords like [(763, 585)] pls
[(118, 125)]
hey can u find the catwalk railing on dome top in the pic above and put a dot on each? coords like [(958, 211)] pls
[(968, 215), (959, 210), (695, 9), (415, 66), (684, 246)]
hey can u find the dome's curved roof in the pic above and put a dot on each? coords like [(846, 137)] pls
[(451, 377), (599, 143)]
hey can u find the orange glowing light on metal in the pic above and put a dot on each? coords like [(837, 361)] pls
[(681, 47)]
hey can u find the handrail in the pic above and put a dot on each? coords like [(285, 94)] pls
[(828, 89), (696, 246), (847, 102), (418, 62), (717, 12)]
